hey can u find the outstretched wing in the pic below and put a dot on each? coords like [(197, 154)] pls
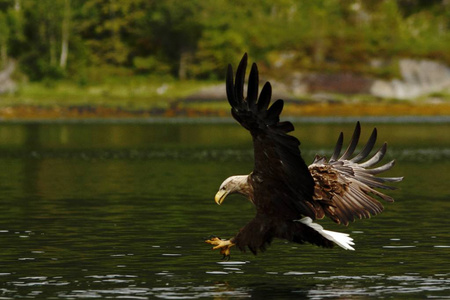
[(346, 185), (287, 183)]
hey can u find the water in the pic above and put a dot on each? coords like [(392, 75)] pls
[(104, 210)]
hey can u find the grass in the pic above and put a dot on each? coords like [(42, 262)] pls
[(138, 93), (121, 96)]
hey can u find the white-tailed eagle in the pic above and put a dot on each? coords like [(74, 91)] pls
[(288, 194)]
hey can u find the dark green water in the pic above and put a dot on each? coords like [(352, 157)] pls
[(120, 211)]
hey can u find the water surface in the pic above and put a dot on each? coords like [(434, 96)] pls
[(120, 211)]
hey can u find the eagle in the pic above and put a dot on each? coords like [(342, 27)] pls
[(288, 194)]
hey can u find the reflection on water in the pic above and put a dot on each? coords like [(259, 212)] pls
[(120, 211)]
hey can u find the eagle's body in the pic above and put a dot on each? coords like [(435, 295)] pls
[(288, 194)]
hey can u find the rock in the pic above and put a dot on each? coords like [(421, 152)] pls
[(340, 83), (419, 78), (7, 85)]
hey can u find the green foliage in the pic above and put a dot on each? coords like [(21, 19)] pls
[(4, 29), (198, 38)]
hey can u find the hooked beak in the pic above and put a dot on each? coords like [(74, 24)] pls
[(220, 196)]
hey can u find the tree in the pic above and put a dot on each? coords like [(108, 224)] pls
[(4, 37), (106, 27), (174, 30), (65, 35)]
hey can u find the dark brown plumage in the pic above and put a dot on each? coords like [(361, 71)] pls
[(287, 193)]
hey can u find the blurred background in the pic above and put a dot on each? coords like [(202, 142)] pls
[(169, 57), (117, 206)]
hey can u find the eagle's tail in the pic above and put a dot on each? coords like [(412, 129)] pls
[(341, 239)]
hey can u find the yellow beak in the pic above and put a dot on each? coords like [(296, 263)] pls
[(220, 196)]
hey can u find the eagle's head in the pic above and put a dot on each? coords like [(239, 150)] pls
[(232, 185)]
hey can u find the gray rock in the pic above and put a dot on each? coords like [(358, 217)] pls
[(7, 85), (419, 78)]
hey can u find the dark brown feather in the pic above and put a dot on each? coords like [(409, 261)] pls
[(264, 97), (252, 90), (283, 186), (258, 234), (277, 156)]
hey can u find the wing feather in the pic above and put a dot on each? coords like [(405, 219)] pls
[(281, 180), (348, 186), (367, 148), (285, 126), (264, 97), (252, 90), (338, 148), (273, 113), (382, 168), (353, 143), (378, 156), (240, 80)]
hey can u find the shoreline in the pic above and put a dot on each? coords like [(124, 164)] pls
[(19, 113), (223, 120)]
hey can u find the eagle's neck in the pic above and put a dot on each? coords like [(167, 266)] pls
[(244, 186)]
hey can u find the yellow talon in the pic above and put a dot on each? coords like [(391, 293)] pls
[(223, 245)]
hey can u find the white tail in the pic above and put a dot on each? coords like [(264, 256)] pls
[(341, 239)]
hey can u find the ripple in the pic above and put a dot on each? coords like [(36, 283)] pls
[(217, 272), (232, 262), (128, 293), (422, 154), (299, 273), (232, 269), (164, 273), (388, 285), (38, 281), (110, 276), (220, 155), (398, 247), (34, 278)]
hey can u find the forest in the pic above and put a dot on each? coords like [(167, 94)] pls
[(86, 39)]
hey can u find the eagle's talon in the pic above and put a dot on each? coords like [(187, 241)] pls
[(223, 245)]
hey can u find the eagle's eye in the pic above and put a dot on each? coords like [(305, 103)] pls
[(224, 187)]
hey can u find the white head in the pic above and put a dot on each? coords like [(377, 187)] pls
[(233, 185)]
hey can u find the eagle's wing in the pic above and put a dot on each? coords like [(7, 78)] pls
[(288, 186), (347, 185)]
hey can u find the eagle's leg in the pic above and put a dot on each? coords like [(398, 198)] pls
[(223, 245)]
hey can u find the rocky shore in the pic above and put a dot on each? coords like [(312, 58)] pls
[(418, 78), (183, 109)]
